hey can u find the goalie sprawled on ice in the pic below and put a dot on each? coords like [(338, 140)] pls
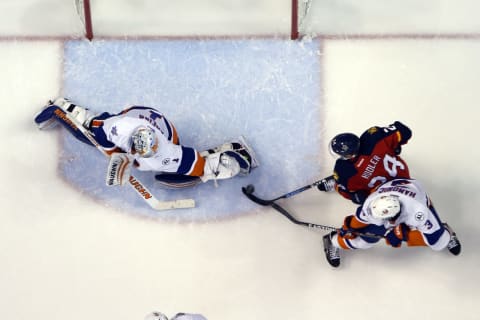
[(143, 138)]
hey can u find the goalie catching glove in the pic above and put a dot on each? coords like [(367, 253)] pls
[(118, 170)]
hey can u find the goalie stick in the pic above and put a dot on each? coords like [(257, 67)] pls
[(248, 191), (133, 182)]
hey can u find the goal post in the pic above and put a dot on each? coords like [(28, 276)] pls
[(85, 15), (300, 9)]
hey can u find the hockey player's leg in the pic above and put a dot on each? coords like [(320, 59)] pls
[(334, 242), (238, 150), (44, 117), (332, 253), (55, 112)]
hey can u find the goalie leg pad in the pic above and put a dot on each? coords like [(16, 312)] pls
[(219, 166), (45, 119), (242, 161), (247, 151), (240, 150), (54, 113)]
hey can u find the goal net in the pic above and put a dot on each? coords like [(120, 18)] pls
[(161, 21)]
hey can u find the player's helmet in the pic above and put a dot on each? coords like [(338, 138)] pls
[(385, 207), (345, 145), (144, 141), (156, 316)]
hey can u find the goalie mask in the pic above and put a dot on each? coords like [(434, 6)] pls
[(385, 207), (144, 142)]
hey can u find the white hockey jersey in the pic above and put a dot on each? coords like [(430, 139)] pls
[(170, 157), (416, 212)]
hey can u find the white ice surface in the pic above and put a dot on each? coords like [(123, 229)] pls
[(64, 256)]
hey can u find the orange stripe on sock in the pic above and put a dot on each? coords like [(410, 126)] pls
[(342, 243), (415, 239), (197, 170)]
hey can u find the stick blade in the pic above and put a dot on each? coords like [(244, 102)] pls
[(248, 191)]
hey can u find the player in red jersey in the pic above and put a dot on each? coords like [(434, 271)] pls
[(366, 162)]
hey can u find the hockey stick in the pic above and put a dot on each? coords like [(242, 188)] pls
[(249, 193), (250, 189), (133, 182)]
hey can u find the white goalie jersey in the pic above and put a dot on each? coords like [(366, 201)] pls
[(170, 156)]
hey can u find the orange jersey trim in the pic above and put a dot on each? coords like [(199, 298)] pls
[(197, 170)]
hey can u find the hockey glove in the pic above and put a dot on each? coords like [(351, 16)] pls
[(398, 150), (395, 236), (359, 197), (327, 184), (346, 230)]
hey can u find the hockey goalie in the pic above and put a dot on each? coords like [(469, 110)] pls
[(141, 137)]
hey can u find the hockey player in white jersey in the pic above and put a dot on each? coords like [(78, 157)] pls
[(398, 211), (179, 316), (143, 138)]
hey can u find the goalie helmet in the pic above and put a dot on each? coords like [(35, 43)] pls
[(385, 207), (144, 141), (345, 145), (156, 316)]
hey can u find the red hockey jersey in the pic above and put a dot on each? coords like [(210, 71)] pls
[(378, 161)]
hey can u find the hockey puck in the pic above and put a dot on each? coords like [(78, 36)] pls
[(249, 189)]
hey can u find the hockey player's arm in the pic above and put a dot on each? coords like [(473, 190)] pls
[(354, 226), (400, 134), (357, 197), (344, 174), (403, 132)]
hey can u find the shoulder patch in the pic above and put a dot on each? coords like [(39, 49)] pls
[(372, 130), (419, 216)]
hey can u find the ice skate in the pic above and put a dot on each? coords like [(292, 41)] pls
[(453, 245), (332, 253)]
